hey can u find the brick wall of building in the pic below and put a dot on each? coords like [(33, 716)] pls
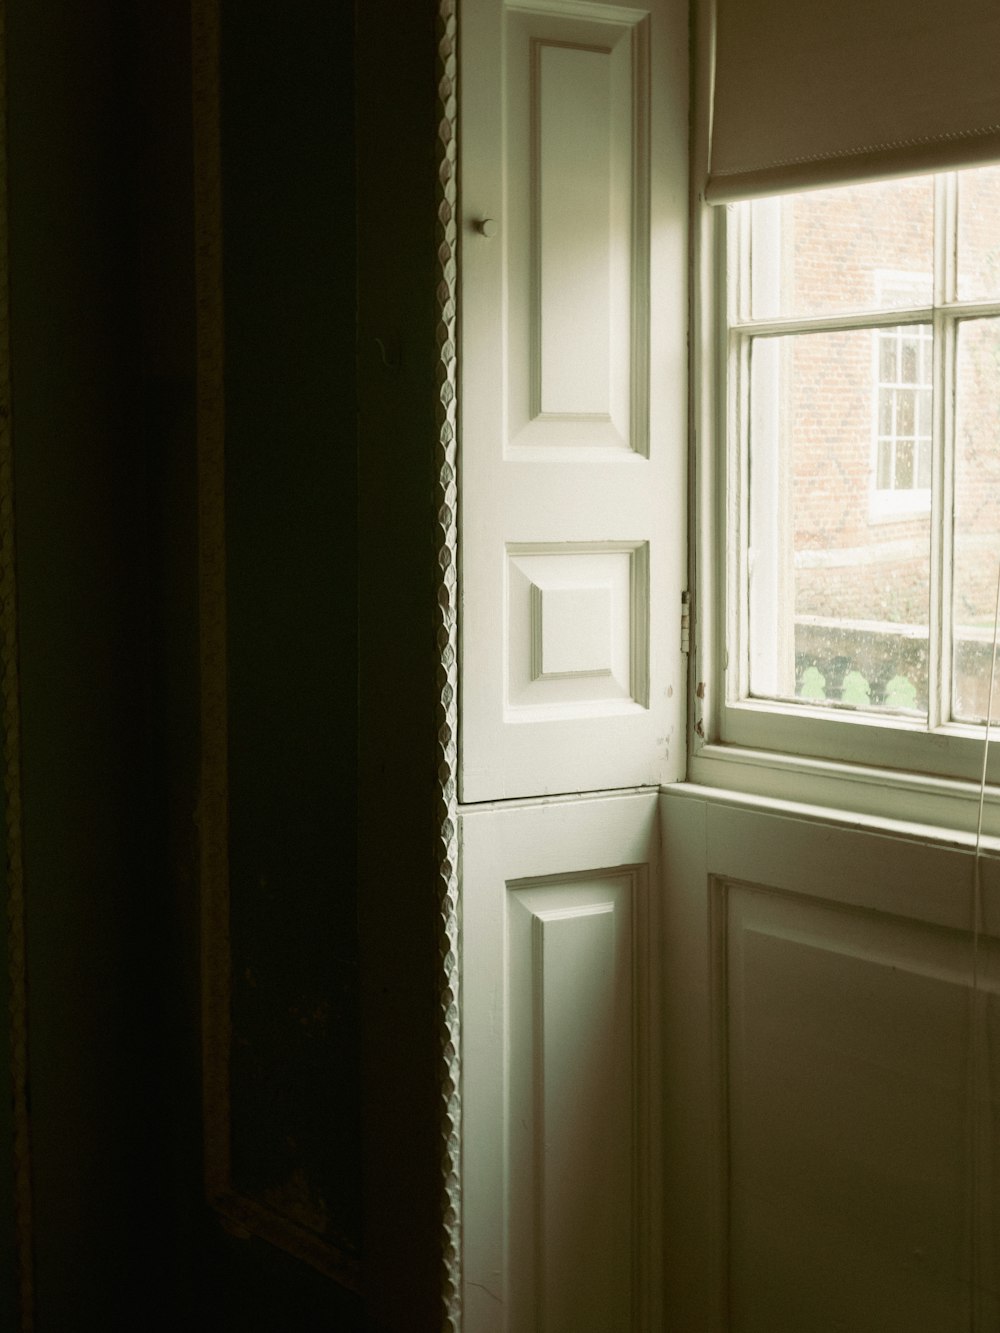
[(856, 553)]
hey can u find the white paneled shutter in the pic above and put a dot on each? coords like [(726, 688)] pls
[(573, 387), (573, 396)]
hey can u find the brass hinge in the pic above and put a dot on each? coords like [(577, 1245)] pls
[(685, 622)]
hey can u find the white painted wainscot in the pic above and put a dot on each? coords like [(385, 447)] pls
[(718, 1070)]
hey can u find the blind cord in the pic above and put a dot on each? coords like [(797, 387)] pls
[(975, 1061)]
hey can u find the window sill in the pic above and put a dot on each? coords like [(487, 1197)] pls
[(912, 804), (887, 506)]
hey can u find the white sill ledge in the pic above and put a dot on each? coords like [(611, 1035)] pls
[(910, 804), (829, 812)]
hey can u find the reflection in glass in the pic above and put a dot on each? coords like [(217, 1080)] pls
[(863, 247), (979, 234), (839, 542), (977, 513)]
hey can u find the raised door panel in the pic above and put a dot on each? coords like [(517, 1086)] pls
[(847, 1043), (577, 267), (819, 1011), (559, 1055), (572, 396)]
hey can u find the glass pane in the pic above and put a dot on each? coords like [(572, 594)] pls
[(904, 411), (839, 585), (887, 359), (910, 365), (864, 247), (904, 465), (979, 234), (977, 513), (885, 418)]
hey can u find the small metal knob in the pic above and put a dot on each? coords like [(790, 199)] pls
[(486, 227)]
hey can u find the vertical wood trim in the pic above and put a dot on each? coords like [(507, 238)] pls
[(213, 811), (446, 535), (534, 221), (13, 830), (718, 991), (640, 294), (647, 1113)]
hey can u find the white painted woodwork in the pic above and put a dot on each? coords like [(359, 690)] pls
[(572, 106), (817, 1092), (577, 244), (570, 1033), (769, 1042), (573, 395), (579, 630), (561, 1214), (574, 633)]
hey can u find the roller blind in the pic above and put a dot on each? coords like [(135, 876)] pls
[(808, 93)]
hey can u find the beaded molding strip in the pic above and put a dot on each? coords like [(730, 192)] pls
[(446, 506)]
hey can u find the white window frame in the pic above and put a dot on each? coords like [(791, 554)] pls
[(879, 765)]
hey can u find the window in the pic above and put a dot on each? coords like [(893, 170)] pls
[(902, 372), (860, 364)]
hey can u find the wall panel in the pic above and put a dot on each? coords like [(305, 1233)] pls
[(559, 1054), (819, 1010)]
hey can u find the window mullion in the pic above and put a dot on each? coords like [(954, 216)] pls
[(942, 452)]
